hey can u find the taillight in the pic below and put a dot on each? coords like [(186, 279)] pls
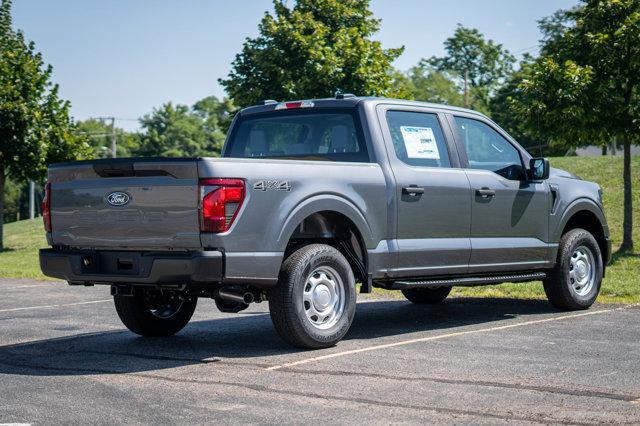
[(220, 201), (46, 207)]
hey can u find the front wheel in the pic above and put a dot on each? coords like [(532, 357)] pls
[(314, 302), (574, 283), (155, 312)]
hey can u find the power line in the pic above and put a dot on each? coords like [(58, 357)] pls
[(93, 133), (109, 117), (112, 133), (526, 49)]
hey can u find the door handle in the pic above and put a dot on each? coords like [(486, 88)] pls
[(413, 190), (485, 192)]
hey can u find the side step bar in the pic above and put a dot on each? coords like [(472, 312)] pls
[(467, 281)]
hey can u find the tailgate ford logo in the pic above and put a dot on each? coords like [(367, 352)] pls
[(118, 199)]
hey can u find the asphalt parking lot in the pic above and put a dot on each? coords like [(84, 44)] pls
[(66, 358)]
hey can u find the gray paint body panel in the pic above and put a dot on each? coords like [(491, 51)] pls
[(268, 218), (256, 242), (512, 226), (160, 215), (445, 231), (432, 228)]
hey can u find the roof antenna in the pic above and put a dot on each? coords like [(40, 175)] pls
[(344, 95)]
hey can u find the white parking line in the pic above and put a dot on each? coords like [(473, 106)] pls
[(26, 286), (55, 306), (439, 337)]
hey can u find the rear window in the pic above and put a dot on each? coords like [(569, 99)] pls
[(302, 135)]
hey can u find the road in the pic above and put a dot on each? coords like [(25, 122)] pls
[(66, 358)]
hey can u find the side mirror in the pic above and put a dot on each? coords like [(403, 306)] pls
[(539, 168)]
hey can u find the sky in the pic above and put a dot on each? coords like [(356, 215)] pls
[(122, 58)]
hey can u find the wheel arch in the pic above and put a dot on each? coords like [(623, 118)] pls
[(331, 220), (587, 215), (327, 203)]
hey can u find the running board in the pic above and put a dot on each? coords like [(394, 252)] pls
[(468, 281)]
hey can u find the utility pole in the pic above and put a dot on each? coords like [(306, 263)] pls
[(112, 133), (614, 145), (113, 136), (32, 200), (466, 88)]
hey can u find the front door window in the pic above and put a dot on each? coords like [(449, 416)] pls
[(487, 150)]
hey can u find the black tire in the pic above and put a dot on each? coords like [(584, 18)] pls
[(559, 285), (426, 296), (289, 312), (142, 312)]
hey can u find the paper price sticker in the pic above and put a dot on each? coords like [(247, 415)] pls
[(420, 142)]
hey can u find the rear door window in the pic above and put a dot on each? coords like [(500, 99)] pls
[(331, 136), (418, 139)]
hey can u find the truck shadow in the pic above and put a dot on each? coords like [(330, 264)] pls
[(247, 340)]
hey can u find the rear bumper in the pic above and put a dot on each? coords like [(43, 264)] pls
[(79, 267)]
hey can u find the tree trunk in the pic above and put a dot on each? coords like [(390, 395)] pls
[(604, 149), (627, 223), (2, 182)]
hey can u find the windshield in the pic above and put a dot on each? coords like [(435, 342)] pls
[(303, 135)]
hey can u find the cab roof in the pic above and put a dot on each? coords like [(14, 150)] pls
[(346, 101)]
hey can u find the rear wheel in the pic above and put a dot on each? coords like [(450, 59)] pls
[(314, 302), (155, 312), (574, 283), (426, 296)]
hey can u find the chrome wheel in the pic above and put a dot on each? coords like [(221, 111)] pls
[(582, 271), (323, 297)]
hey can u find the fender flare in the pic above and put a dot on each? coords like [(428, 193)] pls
[(325, 202), (576, 206)]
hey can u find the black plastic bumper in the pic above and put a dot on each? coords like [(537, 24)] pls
[(132, 267)]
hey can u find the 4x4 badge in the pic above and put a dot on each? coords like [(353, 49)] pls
[(264, 185)]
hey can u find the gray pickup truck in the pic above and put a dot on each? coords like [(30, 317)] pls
[(311, 197)]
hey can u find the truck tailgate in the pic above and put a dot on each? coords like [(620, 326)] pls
[(125, 203)]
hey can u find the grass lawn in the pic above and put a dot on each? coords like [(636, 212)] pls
[(622, 283), (21, 241)]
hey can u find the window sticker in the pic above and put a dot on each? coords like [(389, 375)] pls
[(420, 142)]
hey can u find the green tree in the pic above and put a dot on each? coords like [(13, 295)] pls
[(172, 131), (528, 132), (312, 50), (481, 63), (428, 84), (216, 115), (586, 85), (35, 126), (98, 133), (13, 194), (180, 131), (553, 28)]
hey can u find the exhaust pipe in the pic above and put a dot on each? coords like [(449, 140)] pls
[(232, 296)]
